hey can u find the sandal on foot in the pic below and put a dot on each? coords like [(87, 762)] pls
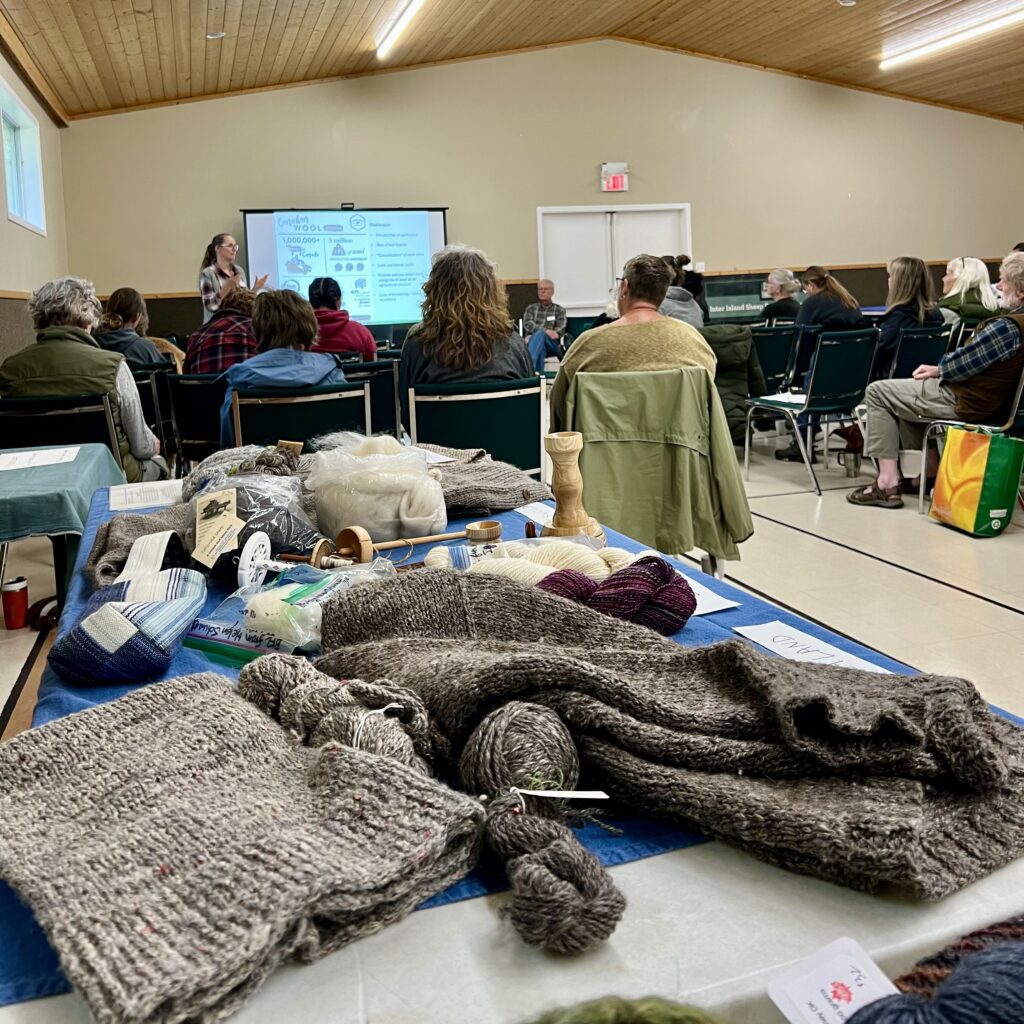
[(879, 497)]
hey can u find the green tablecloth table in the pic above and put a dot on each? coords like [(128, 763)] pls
[(53, 501)]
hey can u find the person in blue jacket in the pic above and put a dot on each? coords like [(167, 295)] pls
[(285, 330)]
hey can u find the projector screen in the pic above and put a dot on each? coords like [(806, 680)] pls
[(379, 257)]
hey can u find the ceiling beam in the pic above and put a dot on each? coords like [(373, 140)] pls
[(28, 71)]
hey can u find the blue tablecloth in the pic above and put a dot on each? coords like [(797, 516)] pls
[(28, 965)]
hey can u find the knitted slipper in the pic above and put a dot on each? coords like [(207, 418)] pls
[(876, 496)]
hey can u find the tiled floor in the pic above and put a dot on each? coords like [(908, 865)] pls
[(901, 583)]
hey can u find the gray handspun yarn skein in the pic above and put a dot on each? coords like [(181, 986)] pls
[(563, 900)]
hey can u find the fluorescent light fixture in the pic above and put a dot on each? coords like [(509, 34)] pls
[(398, 27), (965, 35), (215, 35)]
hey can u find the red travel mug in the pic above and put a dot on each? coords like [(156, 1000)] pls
[(15, 600)]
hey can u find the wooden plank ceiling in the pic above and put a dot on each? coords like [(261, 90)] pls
[(97, 56)]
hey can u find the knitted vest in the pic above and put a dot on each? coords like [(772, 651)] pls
[(67, 361), (986, 397)]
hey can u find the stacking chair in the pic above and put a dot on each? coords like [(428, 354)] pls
[(836, 386), (268, 415), (195, 402), (398, 333), (918, 346), (1014, 425), (59, 420), (502, 416), (381, 377), (774, 347)]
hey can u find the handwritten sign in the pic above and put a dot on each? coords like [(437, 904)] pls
[(790, 642), (831, 986)]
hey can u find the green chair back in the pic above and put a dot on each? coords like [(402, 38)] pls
[(504, 417), (268, 415), (841, 371), (58, 420), (804, 342), (382, 378), (774, 348), (195, 400), (918, 346)]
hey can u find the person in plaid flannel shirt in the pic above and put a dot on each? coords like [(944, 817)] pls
[(227, 339)]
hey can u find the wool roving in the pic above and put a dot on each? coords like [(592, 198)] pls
[(986, 988), (877, 782), (649, 592), (176, 846)]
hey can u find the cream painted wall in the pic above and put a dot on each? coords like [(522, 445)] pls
[(27, 259), (780, 171)]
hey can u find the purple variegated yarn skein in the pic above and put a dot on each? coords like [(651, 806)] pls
[(649, 592)]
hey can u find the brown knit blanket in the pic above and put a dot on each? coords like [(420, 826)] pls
[(873, 781)]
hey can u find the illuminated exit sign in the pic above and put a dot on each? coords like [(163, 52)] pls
[(614, 177)]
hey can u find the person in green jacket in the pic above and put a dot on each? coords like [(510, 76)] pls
[(967, 290), (66, 360)]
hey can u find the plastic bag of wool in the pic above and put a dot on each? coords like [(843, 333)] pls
[(379, 485)]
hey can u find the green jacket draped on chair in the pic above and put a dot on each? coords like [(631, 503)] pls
[(658, 461)]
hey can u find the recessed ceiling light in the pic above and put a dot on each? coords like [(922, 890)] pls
[(847, 3), (215, 35)]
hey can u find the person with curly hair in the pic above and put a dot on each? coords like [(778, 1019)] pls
[(466, 333)]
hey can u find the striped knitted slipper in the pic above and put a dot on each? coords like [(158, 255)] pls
[(130, 630)]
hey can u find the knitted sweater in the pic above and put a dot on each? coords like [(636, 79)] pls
[(177, 845), (664, 344), (474, 484), (872, 781)]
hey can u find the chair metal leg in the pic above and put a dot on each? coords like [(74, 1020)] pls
[(803, 450), (3, 560), (746, 446), (922, 485)]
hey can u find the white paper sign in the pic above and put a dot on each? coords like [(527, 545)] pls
[(708, 601), (796, 645), (831, 986), (29, 459), (538, 512), (145, 495)]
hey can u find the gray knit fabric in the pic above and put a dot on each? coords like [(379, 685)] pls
[(873, 781), (177, 845), (115, 537), (474, 484)]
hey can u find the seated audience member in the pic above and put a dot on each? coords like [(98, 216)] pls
[(122, 328), (285, 329), (66, 360), (693, 283), (910, 303), (337, 332), (678, 302), (975, 382), (641, 339), (226, 339), (830, 306), (782, 287), (466, 334), (543, 325), (609, 315), (967, 290)]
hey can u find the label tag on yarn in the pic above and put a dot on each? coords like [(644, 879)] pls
[(830, 986), (217, 526), (565, 794)]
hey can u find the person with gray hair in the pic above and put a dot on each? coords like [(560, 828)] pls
[(544, 325), (782, 287), (67, 360), (975, 383)]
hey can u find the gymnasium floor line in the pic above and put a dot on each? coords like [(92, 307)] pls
[(878, 558)]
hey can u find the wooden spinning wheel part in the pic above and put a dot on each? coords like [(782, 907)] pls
[(354, 542)]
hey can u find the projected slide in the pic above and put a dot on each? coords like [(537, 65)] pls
[(379, 257)]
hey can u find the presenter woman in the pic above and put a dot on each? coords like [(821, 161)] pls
[(219, 274)]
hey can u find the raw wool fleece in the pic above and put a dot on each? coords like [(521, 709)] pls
[(872, 781), (177, 845)]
